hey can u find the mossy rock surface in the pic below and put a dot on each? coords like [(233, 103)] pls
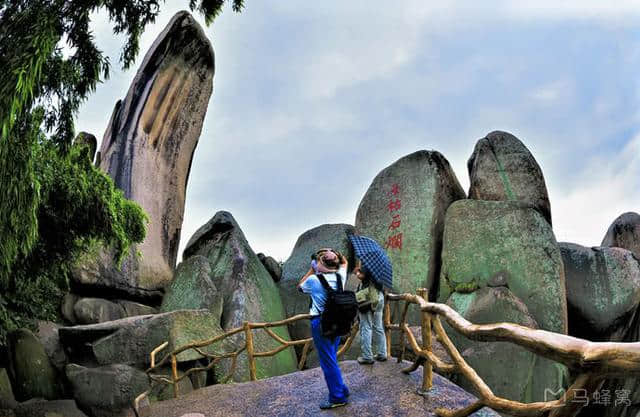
[(603, 291), (404, 210), (97, 310), (192, 288), (33, 375), (246, 289), (510, 243), (106, 388), (510, 371), (131, 340), (7, 399)]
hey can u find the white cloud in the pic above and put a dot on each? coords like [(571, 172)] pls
[(606, 189), (377, 81), (621, 10)]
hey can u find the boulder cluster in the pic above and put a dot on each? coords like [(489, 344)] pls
[(490, 254)]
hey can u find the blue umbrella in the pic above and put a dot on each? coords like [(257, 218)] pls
[(374, 259)]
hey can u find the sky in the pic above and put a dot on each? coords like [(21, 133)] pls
[(312, 99)]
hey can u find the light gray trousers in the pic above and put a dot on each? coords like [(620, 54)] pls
[(371, 322)]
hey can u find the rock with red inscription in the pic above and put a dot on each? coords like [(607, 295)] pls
[(404, 211), (624, 232), (147, 150), (501, 168)]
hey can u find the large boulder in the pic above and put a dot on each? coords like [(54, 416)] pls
[(42, 408), (624, 393), (149, 144), (130, 340), (273, 266), (47, 333), (624, 232), (193, 288), (66, 308), (97, 310), (7, 399), (603, 291), (603, 285), (247, 291), (131, 308), (325, 236), (106, 389), (32, 374), (501, 168), (490, 243), (96, 272), (404, 210), (510, 371)]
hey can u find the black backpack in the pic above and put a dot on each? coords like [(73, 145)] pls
[(340, 309)]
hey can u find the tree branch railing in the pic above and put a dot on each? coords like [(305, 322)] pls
[(247, 329), (591, 361)]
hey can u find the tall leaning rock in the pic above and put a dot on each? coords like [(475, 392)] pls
[(501, 168), (149, 144), (241, 285), (404, 210)]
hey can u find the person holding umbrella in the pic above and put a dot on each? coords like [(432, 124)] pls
[(373, 269)]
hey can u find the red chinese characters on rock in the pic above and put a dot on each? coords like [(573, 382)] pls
[(395, 204)]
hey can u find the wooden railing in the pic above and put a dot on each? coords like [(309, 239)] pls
[(591, 361), (248, 346)]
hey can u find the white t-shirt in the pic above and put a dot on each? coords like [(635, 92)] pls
[(314, 288)]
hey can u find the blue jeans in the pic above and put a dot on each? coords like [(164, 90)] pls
[(372, 320), (327, 354)]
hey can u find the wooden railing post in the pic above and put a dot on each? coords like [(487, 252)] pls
[(387, 324), (252, 361), (403, 321), (174, 375), (425, 322)]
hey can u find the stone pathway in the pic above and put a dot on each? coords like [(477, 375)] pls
[(377, 390)]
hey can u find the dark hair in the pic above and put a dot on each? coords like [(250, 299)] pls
[(367, 277)]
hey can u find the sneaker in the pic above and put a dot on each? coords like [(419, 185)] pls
[(364, 361), (381, 358), (328, 405)]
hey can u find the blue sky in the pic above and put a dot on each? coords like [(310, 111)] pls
[(312, 99)]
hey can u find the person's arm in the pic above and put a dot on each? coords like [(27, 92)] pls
[(343, 260), (304, 278)]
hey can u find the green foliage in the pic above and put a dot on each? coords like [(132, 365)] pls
[(54, 202), (79, 206)]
